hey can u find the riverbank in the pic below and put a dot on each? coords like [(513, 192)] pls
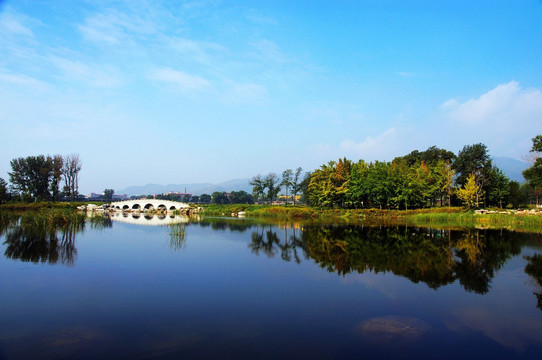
[(44, 205), (453, 217)]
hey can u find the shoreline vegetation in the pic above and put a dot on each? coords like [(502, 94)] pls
[(442, 217)]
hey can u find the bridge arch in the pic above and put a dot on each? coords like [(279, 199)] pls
[(148, 204)]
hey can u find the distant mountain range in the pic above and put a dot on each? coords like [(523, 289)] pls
[(194, 189), (511, 167)]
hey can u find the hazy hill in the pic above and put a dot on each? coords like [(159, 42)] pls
[(511, 167), (194, 189)]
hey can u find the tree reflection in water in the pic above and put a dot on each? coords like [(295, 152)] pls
[(435, 257), (42, 243), (37, 239), (534, 269), (270, 243)]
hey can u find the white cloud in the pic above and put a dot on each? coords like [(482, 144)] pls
[(22, 81), (269, 51), (406, 74), (380, 147), (242, 93), (507, 103), (104, 77), (505, 118), (113, 27), (185, 82), (507, 330), (199, 51), (12, 25)]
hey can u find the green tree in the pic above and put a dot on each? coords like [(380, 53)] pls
[(31, 176), (515, 195), (4, 193), (287, 181), (296, 183), (71, 169), (358, 193), (533, 175), (56, 176), (470, 193), (241, 197), (258, 187), (219, 197), (498, 187), (108, 195), (19, 177), (272, 184), (430, 156), (472, 159), (205, 198)]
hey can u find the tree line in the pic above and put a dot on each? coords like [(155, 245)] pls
[(217, 197), (39, 178), (420, 179)]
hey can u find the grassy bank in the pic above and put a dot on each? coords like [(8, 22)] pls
[(43, 205), (442, 217), (523, 222)]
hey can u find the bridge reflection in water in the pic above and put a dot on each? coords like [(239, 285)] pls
[(148, 219)]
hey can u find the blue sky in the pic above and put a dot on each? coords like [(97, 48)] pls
[(208, 91)]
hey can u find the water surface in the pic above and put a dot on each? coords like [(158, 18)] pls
[(238, 289)]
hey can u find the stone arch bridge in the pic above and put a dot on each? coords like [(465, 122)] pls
[(148, 204)]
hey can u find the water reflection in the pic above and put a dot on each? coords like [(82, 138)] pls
[(436, 257), (268, 242), (534, 269), (146, 218), (41, 243), (431, 256)]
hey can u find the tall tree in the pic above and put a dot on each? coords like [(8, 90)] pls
[(31, 176), (4, 193), (498, 187), (72, 167), (219, 197), (108, 195), (19, 177), (533, 175), (296, 183), (58, 165), (287, 181), (272, 184), (470, 193), (472, 159), (258, 187), (429, 156)]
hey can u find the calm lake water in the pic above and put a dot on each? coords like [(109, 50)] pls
[(232, 288)]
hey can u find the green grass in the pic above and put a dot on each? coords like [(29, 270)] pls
[(52, 217), (441, 217), (44, 205)]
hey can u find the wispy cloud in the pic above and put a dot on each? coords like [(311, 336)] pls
[(239, 93), (112, 27), (507, 115), (185, 82), (379, 147), (11, 24), (507, 103), (196, 51), (22, 81), (93, 75), (269, 51)]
